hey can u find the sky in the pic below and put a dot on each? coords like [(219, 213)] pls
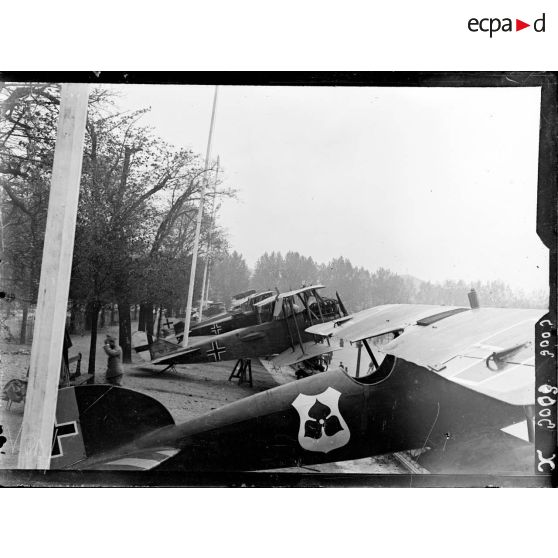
[(438, 183)]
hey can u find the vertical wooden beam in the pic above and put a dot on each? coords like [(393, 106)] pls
[(46, 351)]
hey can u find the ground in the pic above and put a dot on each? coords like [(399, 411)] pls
[(187, 392)]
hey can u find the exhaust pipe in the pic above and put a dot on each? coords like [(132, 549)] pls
[(473, 299)]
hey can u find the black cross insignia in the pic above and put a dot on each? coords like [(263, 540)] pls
[(3, 439), (216, 351), (216, 329), (167, 323), (62, 431)]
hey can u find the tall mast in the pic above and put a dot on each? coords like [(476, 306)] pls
[(205, 282), (198, 227)]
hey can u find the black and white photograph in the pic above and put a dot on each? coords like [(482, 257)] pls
[(282, 279)]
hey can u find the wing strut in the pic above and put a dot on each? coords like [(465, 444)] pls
[(319, 300), (341, 305), (370, 353), (296, 325), (288, 325)]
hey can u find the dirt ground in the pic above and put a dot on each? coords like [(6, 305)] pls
[(187, 392)]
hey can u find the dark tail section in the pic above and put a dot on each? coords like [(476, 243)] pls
[(341, 305), (92, 419)]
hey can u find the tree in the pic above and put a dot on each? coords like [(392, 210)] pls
[(229, 276), (128, 177), (28, 117), (297, 271), (138, 202), (268, 272), (390, 288), (353, 284), (28, 125)]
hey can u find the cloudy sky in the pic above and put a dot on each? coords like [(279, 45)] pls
[(438, 183)]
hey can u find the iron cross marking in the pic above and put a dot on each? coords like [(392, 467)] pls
[(216, 329), (216, 351), (62, 431)]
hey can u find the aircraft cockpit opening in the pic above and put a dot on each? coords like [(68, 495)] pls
[(376, 375)]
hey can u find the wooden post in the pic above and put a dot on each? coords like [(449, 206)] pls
[(46, 351)]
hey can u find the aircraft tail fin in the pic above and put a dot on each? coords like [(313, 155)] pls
[(94, 419)]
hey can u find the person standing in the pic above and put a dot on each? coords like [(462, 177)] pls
[(114, 362)]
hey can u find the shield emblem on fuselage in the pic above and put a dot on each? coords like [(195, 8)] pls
[(322, 428)]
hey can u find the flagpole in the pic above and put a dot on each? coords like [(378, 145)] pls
[(205, 282), (198, 226)]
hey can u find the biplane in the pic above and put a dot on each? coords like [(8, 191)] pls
[(454, 384), (242, 313), (279, 334)]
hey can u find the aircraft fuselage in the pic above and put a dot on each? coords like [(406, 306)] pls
[(259, 340), (333, 417)]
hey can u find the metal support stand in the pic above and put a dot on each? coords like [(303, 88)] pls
[(169, 367), (243, 371)]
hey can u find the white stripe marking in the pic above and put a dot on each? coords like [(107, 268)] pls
[(168, 453), (136, 462)]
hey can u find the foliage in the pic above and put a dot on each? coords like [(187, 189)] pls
[(360, 289), (28, 117), (229, 276), (138, 201)]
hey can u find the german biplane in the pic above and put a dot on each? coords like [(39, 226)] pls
[(456, 381), (243, 313), (279, 334)]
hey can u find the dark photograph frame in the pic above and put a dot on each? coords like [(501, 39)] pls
[(544, 413)]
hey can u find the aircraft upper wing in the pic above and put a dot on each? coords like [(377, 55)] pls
[(488, 350), (380, 320), (244, 295), (241, 301), (288, 294)]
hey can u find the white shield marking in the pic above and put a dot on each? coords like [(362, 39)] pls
[(330, 420)]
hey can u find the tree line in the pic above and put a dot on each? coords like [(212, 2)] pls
[(359, 288)]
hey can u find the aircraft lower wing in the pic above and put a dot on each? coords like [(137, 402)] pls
[(488, 350), (171, 357), (299, 354)]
